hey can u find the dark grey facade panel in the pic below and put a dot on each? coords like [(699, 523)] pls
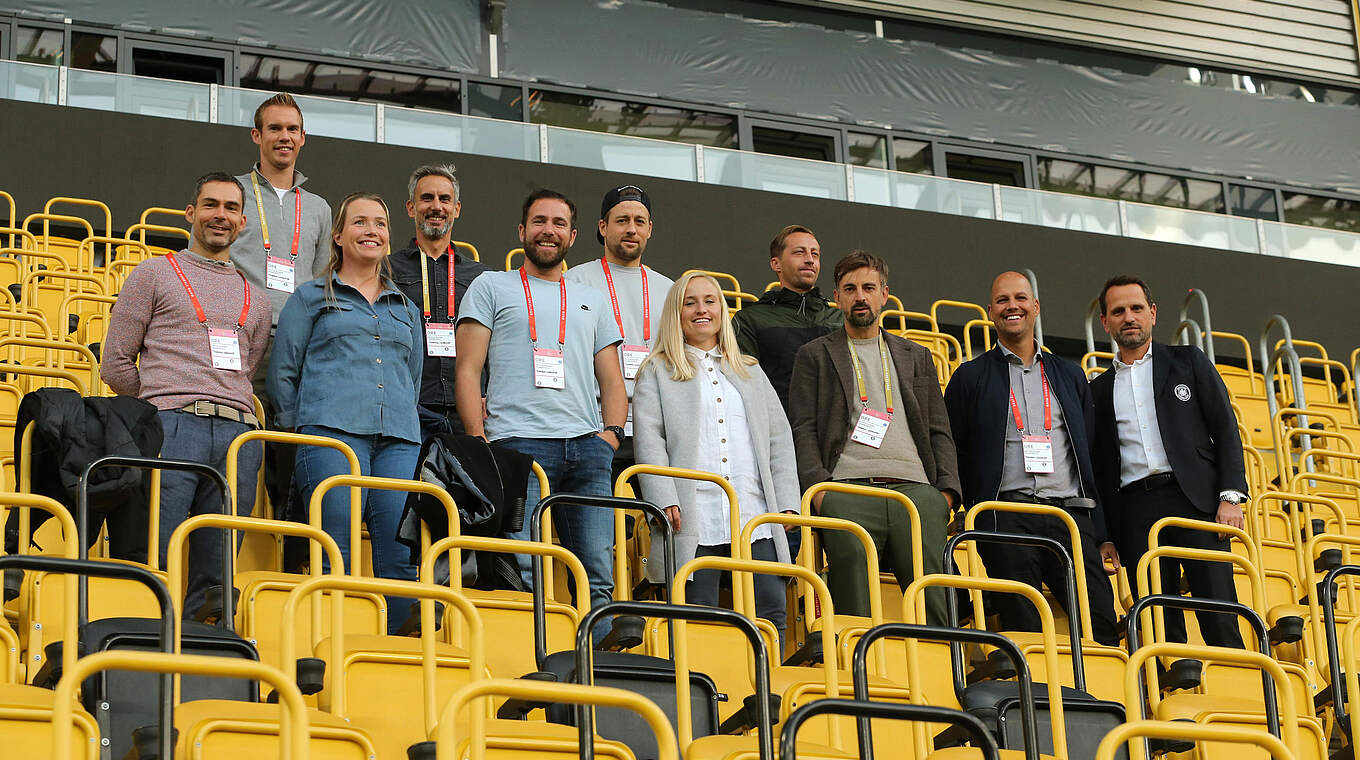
[(444, 34), (648, 48)]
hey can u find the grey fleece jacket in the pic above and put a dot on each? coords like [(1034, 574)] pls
[(314, 239)]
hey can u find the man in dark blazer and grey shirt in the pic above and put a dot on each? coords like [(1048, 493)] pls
[(1167, 445), (866, 409), (1023, 423)]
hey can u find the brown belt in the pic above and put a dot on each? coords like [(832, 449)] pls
[(211, 409), (877, 481)]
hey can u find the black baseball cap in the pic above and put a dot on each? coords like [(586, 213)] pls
[(619, 195)]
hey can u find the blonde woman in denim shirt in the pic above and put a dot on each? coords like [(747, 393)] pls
[(347, 357)]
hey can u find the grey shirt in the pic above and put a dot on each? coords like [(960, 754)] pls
[(1029, 396), (314, 235), (628, 288), (897, 457)]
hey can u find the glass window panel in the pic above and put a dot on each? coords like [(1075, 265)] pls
[(28, 82), (777, 174), (787, 142), (912, 156), (1145, 187), (1321, 211), (96, 52), (1074, 177), (416, 90), (146, 96), (34, 45), (867, 150), (637, 119), (628, 155), (1060, 210), (173, 64), (350, 82), (914, 191), (495, 101), (462, 134), (985, 169), (1255, 202)]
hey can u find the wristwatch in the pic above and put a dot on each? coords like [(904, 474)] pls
[(616, 430), (1236, 498)]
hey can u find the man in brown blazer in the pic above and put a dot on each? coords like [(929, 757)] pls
[(866, 408)]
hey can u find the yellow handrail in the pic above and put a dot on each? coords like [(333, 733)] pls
[(600, 696), (176, 558), (747, 567), (356, 516), (623, 579), (293, 728), (1186, 731), (1074, 538), (914, 608), (1144, 656), (427, 594)]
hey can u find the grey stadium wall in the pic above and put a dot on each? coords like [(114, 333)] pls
[(134, 162)]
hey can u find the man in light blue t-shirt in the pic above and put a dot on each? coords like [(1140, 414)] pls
[(554, 369)]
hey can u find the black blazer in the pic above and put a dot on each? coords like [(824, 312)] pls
[(979, 410), (1198, 428)]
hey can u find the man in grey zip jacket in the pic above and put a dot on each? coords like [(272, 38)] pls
[(284, 248), (286, 242)]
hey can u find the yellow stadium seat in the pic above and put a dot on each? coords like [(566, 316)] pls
[(383, 682), (510, 614), (26, 724)]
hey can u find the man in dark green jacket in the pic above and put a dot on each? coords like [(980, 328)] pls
[(775, 327)]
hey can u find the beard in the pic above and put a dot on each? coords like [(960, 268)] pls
[(867, 319), (623, 254), (435, 232), (1131, 340), (546, 259)]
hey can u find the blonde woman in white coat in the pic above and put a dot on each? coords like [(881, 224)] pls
[(701, 404)]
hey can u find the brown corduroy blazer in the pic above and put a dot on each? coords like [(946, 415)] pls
[(824, 402)]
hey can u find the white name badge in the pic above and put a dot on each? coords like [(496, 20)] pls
[(1038, 453), (550, 369), (632, 360), (871, 428), (278, 274), (226, 349), (439, 339)]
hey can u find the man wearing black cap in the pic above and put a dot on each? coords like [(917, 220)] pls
[(635, 292)]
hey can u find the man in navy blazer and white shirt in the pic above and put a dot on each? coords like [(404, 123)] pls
[(1167, 445)]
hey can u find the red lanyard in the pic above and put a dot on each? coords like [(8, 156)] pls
[(646, 302), (1048, 410), (425, 284), (193, 297), (529, 303)]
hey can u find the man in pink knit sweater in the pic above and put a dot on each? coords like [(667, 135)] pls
[(199, 329)]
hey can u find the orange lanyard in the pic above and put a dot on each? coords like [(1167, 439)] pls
[(646, 302), (193, 297), (1048, 409), (529, 304)]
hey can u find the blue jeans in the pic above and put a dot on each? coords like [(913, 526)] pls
[(574, 465), (771, 604), (379, 456), (183, 494)]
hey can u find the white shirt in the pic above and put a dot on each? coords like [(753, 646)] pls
[(1141, 452), (726, 450)]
